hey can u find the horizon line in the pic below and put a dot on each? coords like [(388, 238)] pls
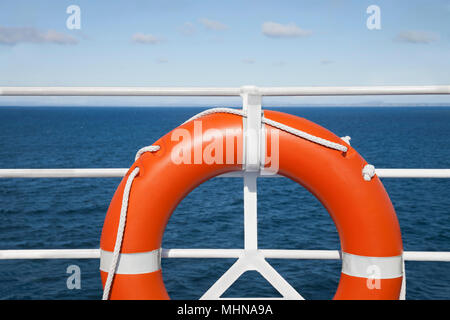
[(355, 105)]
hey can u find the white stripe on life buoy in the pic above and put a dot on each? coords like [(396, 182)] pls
[(132, 263), (372, 267)]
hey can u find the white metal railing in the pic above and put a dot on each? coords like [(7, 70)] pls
[(212, 254), (236, 91), (249, 258), (120, 172)]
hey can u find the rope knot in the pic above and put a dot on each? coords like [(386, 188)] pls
[(346, 139), (146, 149), (368, 172)]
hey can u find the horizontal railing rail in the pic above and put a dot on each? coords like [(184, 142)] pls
[(234, 91), (212, 254), (120, 172)]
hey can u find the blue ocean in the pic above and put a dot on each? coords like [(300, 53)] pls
[(69, 213)]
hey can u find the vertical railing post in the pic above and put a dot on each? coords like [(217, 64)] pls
[(251, 104), (253, 161)]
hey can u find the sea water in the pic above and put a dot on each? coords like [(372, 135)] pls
[(69, 213)]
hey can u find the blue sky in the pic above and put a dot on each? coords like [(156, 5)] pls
[(224, 43)]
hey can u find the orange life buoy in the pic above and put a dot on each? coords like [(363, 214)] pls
[(365, 219)]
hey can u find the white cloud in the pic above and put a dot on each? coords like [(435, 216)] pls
[(213, 25), (15, 35), (277, 30), (162, 60), (326, 61), (188, 29), (146, 38), (417, 37), (248, 61)]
